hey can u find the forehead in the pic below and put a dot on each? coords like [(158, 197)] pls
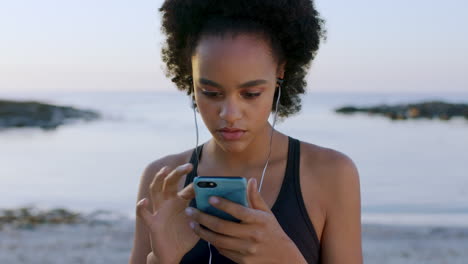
[(242, 55)]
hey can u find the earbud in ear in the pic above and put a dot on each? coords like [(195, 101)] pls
[(194, 104), (279, 81)]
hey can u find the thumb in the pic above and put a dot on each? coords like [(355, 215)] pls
[(255, 198), (188, 193), (143, 213)]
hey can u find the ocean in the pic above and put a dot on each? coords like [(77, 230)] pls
[(412, 172)]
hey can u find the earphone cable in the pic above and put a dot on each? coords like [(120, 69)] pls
[(271, 139), (196, 129)]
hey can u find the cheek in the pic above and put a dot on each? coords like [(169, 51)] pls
[(209, 113), (260, 112)]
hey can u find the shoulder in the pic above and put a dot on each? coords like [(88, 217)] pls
[(334, 180), (171, 161), (329, 165), (330, 171)]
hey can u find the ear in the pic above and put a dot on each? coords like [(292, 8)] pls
[(280, 70)]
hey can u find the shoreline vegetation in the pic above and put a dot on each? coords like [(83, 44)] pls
[(36, 114), (427, 110)]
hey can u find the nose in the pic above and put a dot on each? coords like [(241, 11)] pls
[(230, 111)]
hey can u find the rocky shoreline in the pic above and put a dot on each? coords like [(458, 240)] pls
[(36, 114), (428, 110), (33, 217)]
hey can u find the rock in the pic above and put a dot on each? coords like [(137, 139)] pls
[(429, 110), (103, 217), (36, 114), (29, 217)]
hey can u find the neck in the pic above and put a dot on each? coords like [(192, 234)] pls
[(254, 156)]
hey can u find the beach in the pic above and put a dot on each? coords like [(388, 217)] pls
[(414, 244), (112, 242)]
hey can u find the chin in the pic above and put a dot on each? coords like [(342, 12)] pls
[(232, 146)]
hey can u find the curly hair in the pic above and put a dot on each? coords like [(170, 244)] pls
[(293, 28)]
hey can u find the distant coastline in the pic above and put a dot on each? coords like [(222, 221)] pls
[(33, 217), (428, 110), (36, 114)]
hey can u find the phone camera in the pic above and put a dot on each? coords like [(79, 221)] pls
[(206, 184)]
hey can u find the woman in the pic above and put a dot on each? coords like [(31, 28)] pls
[(235, 59)]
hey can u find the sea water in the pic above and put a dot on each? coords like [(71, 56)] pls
[(411, 172)]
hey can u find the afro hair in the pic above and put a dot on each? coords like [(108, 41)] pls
[(293, 28)]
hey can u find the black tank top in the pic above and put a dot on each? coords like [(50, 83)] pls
[(289, 210)]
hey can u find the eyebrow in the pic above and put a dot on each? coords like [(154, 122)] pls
[(244, 85)]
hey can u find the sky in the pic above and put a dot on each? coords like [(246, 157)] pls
[(110, 45)]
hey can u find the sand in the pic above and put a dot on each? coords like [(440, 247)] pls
[(112, 242)]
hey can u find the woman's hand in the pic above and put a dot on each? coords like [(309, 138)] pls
[(258, 238), (170, 233)]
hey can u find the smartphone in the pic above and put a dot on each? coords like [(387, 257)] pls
[(230, 188)]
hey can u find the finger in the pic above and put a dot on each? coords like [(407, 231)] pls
[(172, 180), (143, 213), (255, 198), (217, 224), (188, 193), (245, 214), (156, 187), (158, 180), (222, 241)]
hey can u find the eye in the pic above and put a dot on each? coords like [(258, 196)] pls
[(210, 93), (251, 95)]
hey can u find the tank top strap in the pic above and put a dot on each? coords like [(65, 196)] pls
[(294, 169), (299, 197), (194, 161), (292, 165), (296, 152)]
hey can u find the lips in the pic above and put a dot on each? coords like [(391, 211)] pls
[(231, 133), (231, 130)]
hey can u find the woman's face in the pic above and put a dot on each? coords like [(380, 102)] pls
[(234, 80)]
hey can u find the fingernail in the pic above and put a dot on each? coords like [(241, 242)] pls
[(163, 170), (254, 182), (141, 201), (214, 200), (188, 211), (186, 166), (192, 224)]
